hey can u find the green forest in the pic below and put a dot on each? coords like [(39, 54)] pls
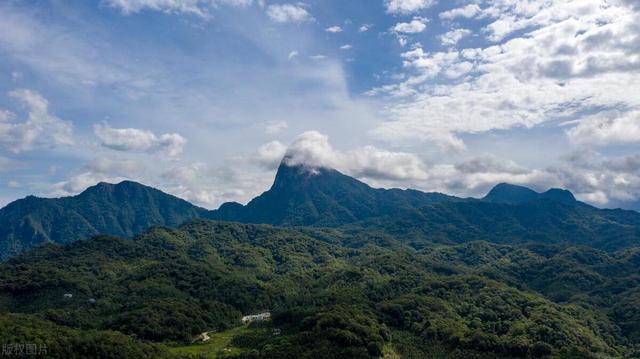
[(333, 293)]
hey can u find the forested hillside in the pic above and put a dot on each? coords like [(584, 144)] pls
[(326, 198), (124, 209), (328, 296)]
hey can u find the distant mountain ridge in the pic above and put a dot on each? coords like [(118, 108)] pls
[(323, 197), (303, 196), (122, 209), (513, 194)]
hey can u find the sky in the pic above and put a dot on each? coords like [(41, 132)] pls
[(203, 98)]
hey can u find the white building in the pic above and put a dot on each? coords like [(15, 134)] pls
[(256, 317)]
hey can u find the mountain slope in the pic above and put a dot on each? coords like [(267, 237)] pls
[(124, 209), (329, 301), (302, 196), (538, 221)]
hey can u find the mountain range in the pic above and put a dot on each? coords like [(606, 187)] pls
[(324, 197), (345, 271)]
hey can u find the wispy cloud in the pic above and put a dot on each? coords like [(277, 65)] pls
[(202, 8)]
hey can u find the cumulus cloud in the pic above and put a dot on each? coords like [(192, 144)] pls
[(556, 60), (601, 180), (451, 38), (81, 181), (100, 169), (313, 149), (418, 24), (195, 7), (283, 13), (136, 140), (333, 29), (39, 130), (468, 11), (346, 47), (592, 177), (364, 28), (607, 128), (407, 6), (209, 186), (270, 154)]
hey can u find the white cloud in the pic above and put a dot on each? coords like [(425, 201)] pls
[(451, 38), (346, 47), (39, 130), (333, 29), (276, 126), (418, 24), (318, 57), (136, 140), (284, 13), (407, 6), (210, 186), (313, 149), (364, 28), (607, 128), (293, 55), (196, 7), (270, 154), (468, 11), (573, 57), (100, 169)]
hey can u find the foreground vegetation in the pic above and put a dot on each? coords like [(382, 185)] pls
[(332, 295)]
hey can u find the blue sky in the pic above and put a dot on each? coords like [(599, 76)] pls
[(202, 98)]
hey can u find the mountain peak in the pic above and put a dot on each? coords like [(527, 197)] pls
[(304, 194), (513, 194), (290, 174), (509, 193), (559, 195)]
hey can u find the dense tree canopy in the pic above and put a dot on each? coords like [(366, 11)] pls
[(332, 293)]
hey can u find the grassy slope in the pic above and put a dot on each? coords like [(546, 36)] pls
[(219, 343)]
